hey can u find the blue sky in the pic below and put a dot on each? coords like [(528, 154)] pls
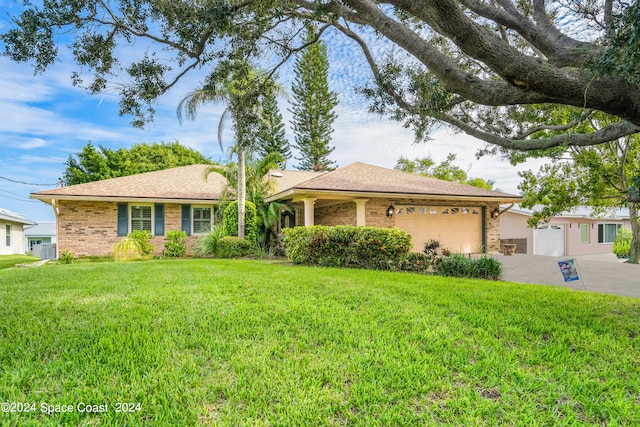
[(45, 119)]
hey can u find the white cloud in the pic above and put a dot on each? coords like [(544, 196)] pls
[(32, 143)]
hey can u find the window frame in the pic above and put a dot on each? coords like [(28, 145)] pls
[(584, 240), (152, 219), (7, 228), (193, 220), (604, 235)]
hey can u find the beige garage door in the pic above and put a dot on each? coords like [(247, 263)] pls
[(458, 229)]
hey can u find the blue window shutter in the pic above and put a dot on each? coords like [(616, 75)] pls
[(186, 219), (123, 219), (159, 220)]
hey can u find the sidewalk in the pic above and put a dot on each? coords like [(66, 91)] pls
[(598, 273)]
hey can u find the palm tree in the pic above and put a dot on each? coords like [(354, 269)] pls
[(256, 169), (239, 86)]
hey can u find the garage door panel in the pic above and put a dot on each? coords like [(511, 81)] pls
[(551, 239), (458, 229)]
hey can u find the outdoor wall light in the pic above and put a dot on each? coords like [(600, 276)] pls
[(495, 213), (390, 211)]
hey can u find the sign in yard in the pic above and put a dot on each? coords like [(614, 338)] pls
[(569, 270)]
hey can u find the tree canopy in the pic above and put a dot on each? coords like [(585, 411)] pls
[(471, 64), (95, 164), (445, 170), (600, 177)]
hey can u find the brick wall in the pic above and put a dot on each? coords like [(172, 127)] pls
[(338, 214), (89, 228)]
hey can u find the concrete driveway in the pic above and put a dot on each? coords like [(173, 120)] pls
[(598, 273)]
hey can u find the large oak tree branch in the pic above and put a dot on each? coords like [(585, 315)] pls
[(606, 134)]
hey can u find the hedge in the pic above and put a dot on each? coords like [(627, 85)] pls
[(348, 246), (232, 247), (230, 221)]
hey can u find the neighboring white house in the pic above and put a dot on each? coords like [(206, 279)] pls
[(43, 232), (12, 227), (579, 232)]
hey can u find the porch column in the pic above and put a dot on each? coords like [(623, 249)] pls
[(360, 212), (308, 211)]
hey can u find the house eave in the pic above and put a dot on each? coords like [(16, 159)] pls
[(16, 220), (297, 194), (51, 199)]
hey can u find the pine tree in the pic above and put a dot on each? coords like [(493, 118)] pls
[(312, 107), (271, 135)]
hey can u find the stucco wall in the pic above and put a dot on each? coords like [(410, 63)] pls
[(573, 244), (513, 226), (89, 228), (16, 238)]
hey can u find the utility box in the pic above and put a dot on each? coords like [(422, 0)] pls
[(45, 251)]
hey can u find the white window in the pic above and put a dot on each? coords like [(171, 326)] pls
[(607, 232), (584, 233), (201, 219), (8, 233), (141, 218)]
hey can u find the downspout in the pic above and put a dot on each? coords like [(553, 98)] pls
[(484, 229), (56, 211)]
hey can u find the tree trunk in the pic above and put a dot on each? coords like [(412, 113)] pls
[(635, 231), (242, 189)]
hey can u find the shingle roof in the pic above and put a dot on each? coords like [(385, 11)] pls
[(364, 178), (181, 183)]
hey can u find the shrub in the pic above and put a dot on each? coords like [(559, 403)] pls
[(415, 262), (66, 257), (127, 248), (207, 244), (176, 244), (232, 247), (488, 268), (230, 221), (622, 243), (348, 246), (143, 237), (455, 265), (435, 253), (458, 265)]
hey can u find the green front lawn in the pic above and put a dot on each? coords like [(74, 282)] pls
[(211, 342), (8, 261)]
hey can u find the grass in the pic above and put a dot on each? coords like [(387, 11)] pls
[(236, 342), (8, 261)]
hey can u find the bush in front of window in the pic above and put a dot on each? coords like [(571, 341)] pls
[(127, 249), (232, 247), (206, 244), (176, 244), (137, 245), (143, 237), (622, 243), (230, 221)]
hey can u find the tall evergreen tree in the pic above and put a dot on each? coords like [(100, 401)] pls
[(271, 135), (313, 107)]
